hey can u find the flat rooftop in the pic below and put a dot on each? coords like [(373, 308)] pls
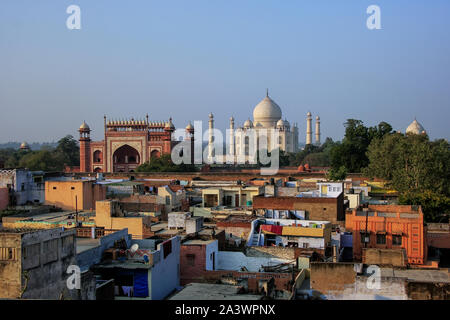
[(209, 291), (18, 230), (126, 264), (421, 275), (84, 244), (197, 242)]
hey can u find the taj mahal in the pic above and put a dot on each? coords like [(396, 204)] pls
[(267, 116)]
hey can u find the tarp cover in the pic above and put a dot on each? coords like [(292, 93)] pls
[(141, 284)]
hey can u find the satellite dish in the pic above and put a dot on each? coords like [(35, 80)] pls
[(134, 248)]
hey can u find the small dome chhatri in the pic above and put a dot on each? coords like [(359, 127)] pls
[(415, 128), (248, 124), (189, 126), (169, 125), (84, 126), (24, 146)]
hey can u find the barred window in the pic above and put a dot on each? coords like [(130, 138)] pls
[(381, 238), (396, 240)]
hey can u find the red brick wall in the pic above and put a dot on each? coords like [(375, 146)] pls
[(4, 198), (189, 271), (85, 156)]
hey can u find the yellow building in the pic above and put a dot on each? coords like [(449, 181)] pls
[(74, 194), (110, 216), (233, 196)]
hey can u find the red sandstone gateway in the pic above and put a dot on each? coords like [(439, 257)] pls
[(127, 144)]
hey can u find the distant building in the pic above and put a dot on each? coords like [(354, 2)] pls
[(396, 227), (127, 144), (24, 146), (290, 233), (415, 128), (324, 204), (74, 194), (110, 215), (24, 186), (232, 196)]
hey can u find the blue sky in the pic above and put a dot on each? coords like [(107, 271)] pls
[(184, 59)]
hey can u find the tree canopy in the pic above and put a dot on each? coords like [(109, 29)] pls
[(48, 158), (164, 164), (416, 167), (351, 153)]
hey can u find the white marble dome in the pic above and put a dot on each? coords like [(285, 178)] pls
[(267, 111), (415, 128)]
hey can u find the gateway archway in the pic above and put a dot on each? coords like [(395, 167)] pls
[(126, 159)]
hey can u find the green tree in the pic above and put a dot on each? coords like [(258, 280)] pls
[(435, 206), (351, 153), (45, 160), (410, 163), (164, 164), (416, 167), (337, 175), (68, 151)]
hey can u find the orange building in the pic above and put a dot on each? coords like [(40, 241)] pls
[(127, 144), (74, 194), (389, 227)]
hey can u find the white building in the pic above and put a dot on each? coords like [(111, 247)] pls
[(26, 186)]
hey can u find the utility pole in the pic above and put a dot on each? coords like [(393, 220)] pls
[(76, 212), (365, 234)]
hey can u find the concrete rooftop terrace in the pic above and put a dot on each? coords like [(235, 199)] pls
[(197, 242), (84, 244), (161, 228), (52, 217), (209, 291), (421, 275)]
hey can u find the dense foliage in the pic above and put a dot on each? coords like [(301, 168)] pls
[(164, 164), (416, 167), (47, 158), (351, 153)]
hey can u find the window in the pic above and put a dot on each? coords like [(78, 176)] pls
[(190, 259), (7, 254), (365, 237), (396, 240), (72, 188), (54, 188), (381, 238)]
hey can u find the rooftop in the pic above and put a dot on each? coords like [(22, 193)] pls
[(124, 264), (18, 230), (209, 291), (420, 275), (198, 242)]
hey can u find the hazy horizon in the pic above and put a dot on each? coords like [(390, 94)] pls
[(185, 59)]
